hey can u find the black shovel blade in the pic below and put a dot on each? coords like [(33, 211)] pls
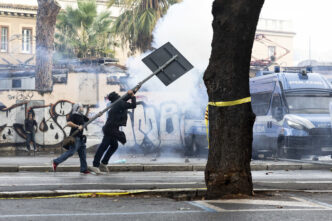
[(174, 70)]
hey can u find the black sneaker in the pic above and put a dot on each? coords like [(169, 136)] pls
[(85, 172)]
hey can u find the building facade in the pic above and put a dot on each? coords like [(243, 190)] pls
[(273, 43), (17, 33), (18, 30)]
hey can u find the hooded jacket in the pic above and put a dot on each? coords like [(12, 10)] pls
[(117, 115), (78, 118)]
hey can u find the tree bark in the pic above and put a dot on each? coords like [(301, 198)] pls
[(46, 19), (227, 79)]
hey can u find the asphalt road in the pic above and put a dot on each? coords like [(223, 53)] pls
[(262, 207), (36, 181), (313, 204)]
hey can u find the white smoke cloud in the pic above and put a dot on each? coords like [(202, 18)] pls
[(311, 21), (188, 26)]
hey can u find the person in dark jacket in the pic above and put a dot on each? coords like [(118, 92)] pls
[(117, 117), (30, 125), (76, 121)]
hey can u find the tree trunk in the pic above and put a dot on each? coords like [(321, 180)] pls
[(227, 79), (46, 19)]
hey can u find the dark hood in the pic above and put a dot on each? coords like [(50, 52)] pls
[(113, 96)]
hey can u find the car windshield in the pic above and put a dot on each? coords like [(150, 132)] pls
[(310, 104)]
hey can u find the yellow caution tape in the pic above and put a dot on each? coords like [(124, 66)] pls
[(207, 123), (87, 195), (96, 194), (222, 104), (230, 103)]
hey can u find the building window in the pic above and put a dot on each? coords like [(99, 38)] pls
[(26, 40), (16, 83), (272, 53), (3, 39)]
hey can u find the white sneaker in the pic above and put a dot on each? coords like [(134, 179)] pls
[(103, 168), (94, 170)]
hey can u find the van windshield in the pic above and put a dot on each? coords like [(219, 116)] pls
[(308, 104)]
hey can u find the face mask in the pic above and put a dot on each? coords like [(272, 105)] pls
[(77, 108)]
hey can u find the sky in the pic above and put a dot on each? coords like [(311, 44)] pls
[(311, 22)]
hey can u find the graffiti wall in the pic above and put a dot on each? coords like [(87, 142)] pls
[(51, 120), (148, 127)]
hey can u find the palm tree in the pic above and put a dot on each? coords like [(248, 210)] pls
[(82, 32), (137, 21)]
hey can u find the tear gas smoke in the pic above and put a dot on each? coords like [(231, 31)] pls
[(188, 26)]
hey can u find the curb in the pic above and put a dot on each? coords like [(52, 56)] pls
[(178, 194), (9, 168), (172, 193), (161, 167)]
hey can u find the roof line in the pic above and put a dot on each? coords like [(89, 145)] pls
[(18, 6)]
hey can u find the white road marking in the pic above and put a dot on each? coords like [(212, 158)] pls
[(296, 203), (88, 176), (290, 182), (207, 205), (314, 202), (281, 205), (274, 210), (98, 214), (97, 184), (202, 206)]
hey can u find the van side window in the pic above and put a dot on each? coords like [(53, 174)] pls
[(276, 107), (276, 102), (261, 102)]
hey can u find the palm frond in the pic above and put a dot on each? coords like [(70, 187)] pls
[(82, 32), (137, 21)]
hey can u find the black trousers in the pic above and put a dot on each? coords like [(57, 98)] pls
[(109, 144), (31, 138)]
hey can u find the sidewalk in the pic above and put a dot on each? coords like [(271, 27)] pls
[(139, 163)]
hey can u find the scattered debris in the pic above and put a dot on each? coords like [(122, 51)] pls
[(120, 161)]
